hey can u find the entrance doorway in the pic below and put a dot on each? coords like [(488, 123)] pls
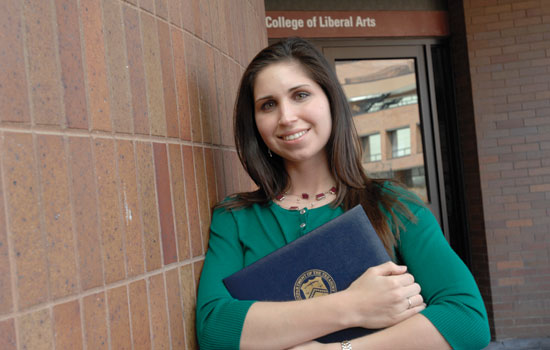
[(401, 97)]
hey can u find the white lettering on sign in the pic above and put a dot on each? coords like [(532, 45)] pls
[(282, 22), (319, 21)]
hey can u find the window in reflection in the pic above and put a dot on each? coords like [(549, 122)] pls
[(383, 97)]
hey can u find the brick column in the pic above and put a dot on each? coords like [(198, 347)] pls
[(115, 141), (508, 45)]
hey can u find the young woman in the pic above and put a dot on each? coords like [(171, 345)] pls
[(294, 135)]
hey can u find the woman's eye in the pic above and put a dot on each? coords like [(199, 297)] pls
[(267, 106), (301, 95)]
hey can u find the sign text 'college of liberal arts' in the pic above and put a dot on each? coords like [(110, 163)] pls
[(330, 24), (319, 21)]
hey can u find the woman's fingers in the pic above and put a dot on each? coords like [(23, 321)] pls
[(413, 301), (388, 268)]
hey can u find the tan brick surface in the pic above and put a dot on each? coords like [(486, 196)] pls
[(130, 207), (13, 79), (84, 202), (57, 218), (96, 69), (72, 68), (67, 326), (179, 197), (139, 313), (115, 142), (119, 318), (36, 330), (159, 316)]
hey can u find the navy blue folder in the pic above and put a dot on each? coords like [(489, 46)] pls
[(326, 260)]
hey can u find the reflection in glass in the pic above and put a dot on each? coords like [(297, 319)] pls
[(383, 98)]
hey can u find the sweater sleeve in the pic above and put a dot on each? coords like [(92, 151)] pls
[(454, 303), (220, 318)]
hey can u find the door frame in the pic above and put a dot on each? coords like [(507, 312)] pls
[(420, 50)]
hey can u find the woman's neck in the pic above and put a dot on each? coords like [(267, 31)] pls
[(310, 177)]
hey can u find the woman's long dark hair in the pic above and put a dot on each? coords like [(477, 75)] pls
[(343, 149)]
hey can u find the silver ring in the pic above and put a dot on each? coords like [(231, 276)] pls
[(410, 303)]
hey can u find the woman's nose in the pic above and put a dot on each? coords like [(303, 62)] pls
[(287, 113)]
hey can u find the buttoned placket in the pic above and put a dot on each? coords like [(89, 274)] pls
[(303, 219)]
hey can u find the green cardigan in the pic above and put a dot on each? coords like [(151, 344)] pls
[(240, 237)]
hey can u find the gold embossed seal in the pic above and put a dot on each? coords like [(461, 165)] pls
[(313, 283)]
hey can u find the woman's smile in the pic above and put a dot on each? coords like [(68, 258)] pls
[(294, 136)]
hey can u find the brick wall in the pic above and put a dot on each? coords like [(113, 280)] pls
[(115, 140), (509, 53)]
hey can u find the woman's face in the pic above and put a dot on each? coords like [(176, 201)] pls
[(292, 113)]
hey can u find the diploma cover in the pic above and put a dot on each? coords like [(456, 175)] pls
[(326, 260)]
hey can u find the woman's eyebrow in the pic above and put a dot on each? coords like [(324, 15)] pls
[(289, 90)]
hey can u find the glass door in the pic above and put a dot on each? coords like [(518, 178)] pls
[(387, 90)]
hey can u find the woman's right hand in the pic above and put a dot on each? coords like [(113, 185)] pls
[(380, 297)]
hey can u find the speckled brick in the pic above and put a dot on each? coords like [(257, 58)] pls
[(153, 74), (149, 211), (96, 68), (6, 297), (188, 291), (21, 191), (161, 9), (220, 174), (168, 82), (130, 207), (196, 11), (43, 67), (95, 322), (119, 318), (187, 15), (159, 316), (205, 21), (215, 23), (213, 96), (109, 210), (72, 69), (13, 79), (204, 92), (35, 330), (178, 194), (8, 340), (67, 326), (180, 73), (229, 35), (202, 191), (210, 176), (228, 172), (191, 59), (175, 309), (221, 23), (147, 5), (167, 233), (136, 70), (174, 12), (140, 316), (222, 113), (192, 204), (84, 201), (117, 67), (54, 179), (229, 100)]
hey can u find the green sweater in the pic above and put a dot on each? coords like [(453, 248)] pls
[(240, 237)]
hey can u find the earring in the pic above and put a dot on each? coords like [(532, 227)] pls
[(269, 152)]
